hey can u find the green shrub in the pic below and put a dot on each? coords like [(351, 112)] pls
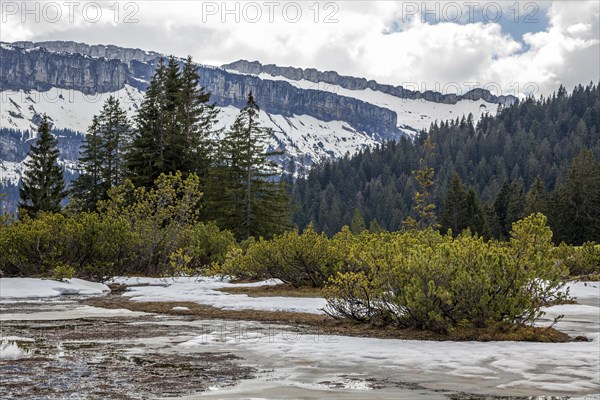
[(136, 231), (305, 259), (580, 260), (424, 280), (62, 272), (208, 245), (32, 247)]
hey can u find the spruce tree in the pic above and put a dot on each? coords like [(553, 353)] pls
[(245, 197), (174, 126), (115, 133), (102, 156), (536, 199), (515, 207), (423, 205), (198, 117), (578, 202), (43, 184), (175, 142), (145, 158), (89, 186), (476, 219), (453, 213), (357, 225)]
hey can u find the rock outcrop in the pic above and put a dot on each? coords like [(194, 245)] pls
[(352, 83)]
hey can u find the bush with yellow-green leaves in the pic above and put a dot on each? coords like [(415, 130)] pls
[(425, 280), (417, 278), (136, 231), (300, 259), (581, 261)]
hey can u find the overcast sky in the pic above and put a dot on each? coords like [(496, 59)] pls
[(445, 46)]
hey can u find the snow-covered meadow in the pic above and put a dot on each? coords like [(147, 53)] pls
[(297, 364)]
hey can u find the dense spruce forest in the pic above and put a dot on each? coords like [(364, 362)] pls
[(535, 155)]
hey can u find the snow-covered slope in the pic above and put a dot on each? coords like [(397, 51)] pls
[(413, 114)]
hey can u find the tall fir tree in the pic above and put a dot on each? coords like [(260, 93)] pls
[(453, 212), (115, 133), (174, 126), (101, 163), (145, 158), (357, 226), (577, 202), (245, 197), (424, 208), (89, 186), (43, 184), (198, 117), (476, 219), (537, 199)]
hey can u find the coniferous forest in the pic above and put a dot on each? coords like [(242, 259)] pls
[(535, 155)]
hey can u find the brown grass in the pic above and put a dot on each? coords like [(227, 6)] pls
[(284, 290), (325, 325)]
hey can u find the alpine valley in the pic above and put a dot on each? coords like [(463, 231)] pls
[(314, 115)]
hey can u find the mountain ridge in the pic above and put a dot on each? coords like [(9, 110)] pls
[(354, 83)]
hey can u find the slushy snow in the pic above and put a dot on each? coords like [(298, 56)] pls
[(24, 288)]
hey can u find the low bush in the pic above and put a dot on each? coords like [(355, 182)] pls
[(297, 259), (136, 231), (581, 261), (421, 279)]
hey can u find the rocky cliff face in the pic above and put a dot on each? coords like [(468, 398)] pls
[(352, 83), (96, 51), (40, 69), (39, 66)]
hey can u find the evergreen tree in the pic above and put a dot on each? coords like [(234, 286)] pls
[(577, 201), (357, 225), (244, 197), (145, 159), (374, 227), (89, 186), (198, 117), (175, 146), (43, 184), (476, 217), (515, 207), (174, 126), (423, 207), (500, 211), (536, 199), (453, 213), (115, 133), (101, 163)]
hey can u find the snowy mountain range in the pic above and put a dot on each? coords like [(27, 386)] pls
[(313, 114)]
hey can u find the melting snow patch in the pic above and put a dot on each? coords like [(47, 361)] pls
[(25, 288), (204, 290)]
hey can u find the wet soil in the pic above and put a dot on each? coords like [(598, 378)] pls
[(106, 358)]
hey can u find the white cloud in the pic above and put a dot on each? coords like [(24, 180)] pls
[(374, 40)]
